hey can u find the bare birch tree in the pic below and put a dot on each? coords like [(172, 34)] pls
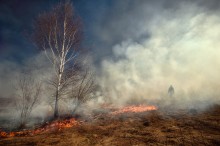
[(58, 34), (82, 87), (28, 92)]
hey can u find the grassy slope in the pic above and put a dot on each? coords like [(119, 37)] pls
[(149, 128)]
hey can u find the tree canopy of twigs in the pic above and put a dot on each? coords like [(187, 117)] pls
[(58, 33)]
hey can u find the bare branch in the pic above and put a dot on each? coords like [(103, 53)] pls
[(58, 33), (28, 94)]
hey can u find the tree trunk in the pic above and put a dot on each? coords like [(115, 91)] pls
[(56, 111), (56, 104)]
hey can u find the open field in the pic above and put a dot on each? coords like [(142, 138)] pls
[(183, 127)]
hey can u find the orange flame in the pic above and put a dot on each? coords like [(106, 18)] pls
[(134, 109), (55, 125)]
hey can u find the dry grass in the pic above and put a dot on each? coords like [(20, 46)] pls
[(149, 128)]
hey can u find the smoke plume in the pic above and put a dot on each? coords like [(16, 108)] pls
[(179, 47)]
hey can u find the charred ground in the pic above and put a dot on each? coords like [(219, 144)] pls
[(159, 127)]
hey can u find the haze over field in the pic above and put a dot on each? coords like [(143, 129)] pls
[(138, 49)]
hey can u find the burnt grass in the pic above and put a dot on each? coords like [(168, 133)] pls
[(161, 127)]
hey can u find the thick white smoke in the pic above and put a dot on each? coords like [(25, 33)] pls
[(183, 50)]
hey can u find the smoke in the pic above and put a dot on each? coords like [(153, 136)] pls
[(178, 46), (40, 70)]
